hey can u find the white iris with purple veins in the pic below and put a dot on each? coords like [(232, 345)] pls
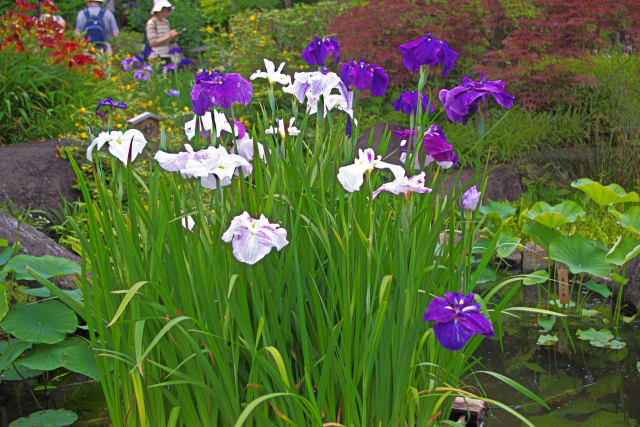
[(252, 239), (352, 176)]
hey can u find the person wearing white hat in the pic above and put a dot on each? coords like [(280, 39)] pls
[(98, 24), (159, 33)]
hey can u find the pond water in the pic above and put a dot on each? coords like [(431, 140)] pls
[(583, 385)]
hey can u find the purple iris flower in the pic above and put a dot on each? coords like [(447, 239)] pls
[(184, 61), (109, 102), (362, 75), (175, 49), (319, 48), (169, 67), (408, 103), (470, 199), (142, 74), (128, 63), (463, 100), (146, 52), (435, 146), (458, 320), (173, 92), (427, 51), (216, 88)]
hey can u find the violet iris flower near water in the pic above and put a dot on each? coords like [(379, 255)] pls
[(427, 51), (175, 49), (362, 75), (408, 103), (319, 48), (470, 198), (463, 100), (252, 239), (216, 88), (458, 320), (434, 143)]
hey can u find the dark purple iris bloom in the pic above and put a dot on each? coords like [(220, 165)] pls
[(319, 48), (427, 51), (215, 88), (109, 102), (408, 103), (362, 75), (169, 67), (436, 147), (128, 63), (463, 100), (146, 52), (175, 49), (184, 61), (458, 320)]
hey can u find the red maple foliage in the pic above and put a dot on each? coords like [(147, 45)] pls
[(20, 32), (525, 47)]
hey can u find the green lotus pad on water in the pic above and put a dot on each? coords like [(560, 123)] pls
[(557, 215), (46, 322), (602, 338), (47, 418), (602, 195), (579, 255)]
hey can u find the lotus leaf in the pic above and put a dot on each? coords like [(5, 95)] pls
[(5, 255), (536, 277), (74, 294), (547, 340), (602, 338), (630, 220), (623, 251), (45, 322), (47, 357), (602, 195), (47, 266), (501, 210), (9, 353), (47, 418), (579, 256), (4, 305), (547, 322), (540, 234), (598, 288), (12, 375), (557, 215), (506, 244), (79, 358)]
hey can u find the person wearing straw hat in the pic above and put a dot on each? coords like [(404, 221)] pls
[(159, 33), (98, 24)]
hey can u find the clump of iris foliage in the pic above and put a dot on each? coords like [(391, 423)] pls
[(266, 277)]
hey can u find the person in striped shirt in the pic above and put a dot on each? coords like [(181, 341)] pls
[(159, 32)]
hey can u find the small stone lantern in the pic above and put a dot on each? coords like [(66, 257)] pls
[(147, 123)]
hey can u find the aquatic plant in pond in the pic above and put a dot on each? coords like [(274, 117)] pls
[(198, 331)]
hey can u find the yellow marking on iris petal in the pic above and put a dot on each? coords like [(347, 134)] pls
[(455, 319), (461, 302), (449, 307)]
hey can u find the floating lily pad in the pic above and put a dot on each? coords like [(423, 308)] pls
[(47, 266), (547, 322), (506, 244), (631, 219), (10, 373), (557, 303), (587, 312), (501, 210), (47, 357), (540, 234), (602, 338), (47, 418), (602, 195), (536, 277), (547, 340), (623, 251), (74, 294), (557, 215), (602, 290), (579, 256), (45, 322)]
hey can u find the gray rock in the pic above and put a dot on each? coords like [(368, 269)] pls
[(33, 175), (35, 243)]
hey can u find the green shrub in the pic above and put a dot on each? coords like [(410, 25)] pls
[(279, 35), (127, 43), (38, 100)]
